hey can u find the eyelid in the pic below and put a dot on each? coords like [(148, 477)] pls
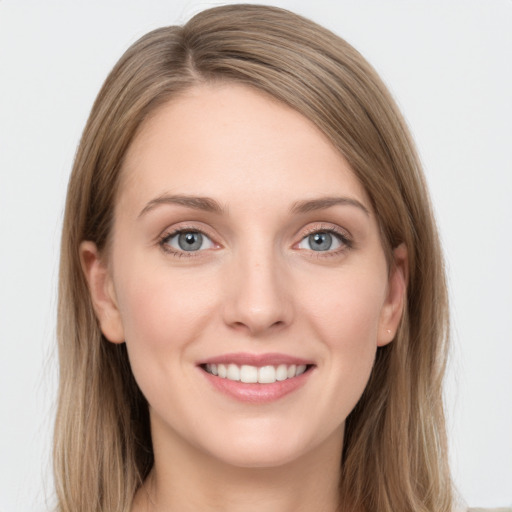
[(313, 228), (325, 226), (174, 230), (342, 234)]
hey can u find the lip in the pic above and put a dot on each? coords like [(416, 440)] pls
[(256, 393), (269, 359)]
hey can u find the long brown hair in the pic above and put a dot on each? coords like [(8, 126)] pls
[(394, 454)]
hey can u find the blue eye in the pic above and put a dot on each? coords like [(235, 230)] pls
[(188, 241), (321, 241)]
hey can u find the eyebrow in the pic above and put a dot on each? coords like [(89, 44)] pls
[(326, 202), (206, 204)]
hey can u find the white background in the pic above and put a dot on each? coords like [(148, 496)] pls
[(448, 63)]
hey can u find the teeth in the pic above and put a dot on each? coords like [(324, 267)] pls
[(282, 372), (249, 374), (233, 372), (266, 375), (221, 369), (301, 369), (253, 374)]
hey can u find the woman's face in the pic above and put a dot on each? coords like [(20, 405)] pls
[(244, 248)]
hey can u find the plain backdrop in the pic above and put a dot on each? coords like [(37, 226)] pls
[(448, 64)]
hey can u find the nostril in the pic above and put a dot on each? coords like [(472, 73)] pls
[(256, 304), (253, 326)]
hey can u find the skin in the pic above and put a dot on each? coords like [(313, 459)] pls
[(256, 286)]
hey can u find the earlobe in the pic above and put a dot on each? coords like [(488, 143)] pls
[(102, 292), (392, 310)]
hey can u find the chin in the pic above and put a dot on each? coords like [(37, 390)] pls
[(266, 449), (259, 458)]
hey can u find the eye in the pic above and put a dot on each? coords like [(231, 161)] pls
[(186, 240), (322, 241)]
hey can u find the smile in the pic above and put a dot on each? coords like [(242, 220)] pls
[(253, 374), (257, 378)]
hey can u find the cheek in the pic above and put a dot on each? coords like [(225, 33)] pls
[(347, 308), (161, 310), (163, 314), (345, 316)]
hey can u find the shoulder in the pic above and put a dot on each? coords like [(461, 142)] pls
[(506, 509)]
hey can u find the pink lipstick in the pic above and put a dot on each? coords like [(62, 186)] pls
[(256, 378)]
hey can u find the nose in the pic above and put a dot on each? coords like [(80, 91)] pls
[(258, 293)]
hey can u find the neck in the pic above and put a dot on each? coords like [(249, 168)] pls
[(185, 480)]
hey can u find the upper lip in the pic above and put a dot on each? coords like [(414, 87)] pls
[(269, 359)]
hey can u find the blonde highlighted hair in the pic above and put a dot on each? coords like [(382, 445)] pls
[(394, 452)]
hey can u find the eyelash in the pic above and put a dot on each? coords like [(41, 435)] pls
[(163, 241), (346, 242)]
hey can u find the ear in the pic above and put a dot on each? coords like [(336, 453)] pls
[(101, 288), (393, 307)]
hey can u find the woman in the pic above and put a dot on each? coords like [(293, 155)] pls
[(252, 310)]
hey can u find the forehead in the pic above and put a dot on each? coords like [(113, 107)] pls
[(233, 142)]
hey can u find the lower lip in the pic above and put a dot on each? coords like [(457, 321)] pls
[(257, 393)]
